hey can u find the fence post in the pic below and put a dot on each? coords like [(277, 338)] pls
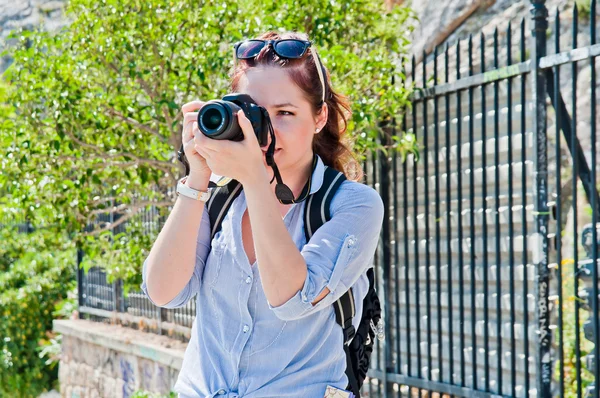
[(384, 187), (539, 245), (118, 296), (80, 283)]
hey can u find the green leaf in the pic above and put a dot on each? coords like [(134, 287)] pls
[(144, 174), (84, 79)]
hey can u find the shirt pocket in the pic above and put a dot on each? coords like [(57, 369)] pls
[(214, 263)]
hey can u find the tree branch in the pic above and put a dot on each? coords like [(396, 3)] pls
[(147, 89), (164, 71), (103, 200), (160, 58), (165, 166), (136, 123), (168, 117), (109, 226), (121, 165), (124, 218), (103, 163), (125, 206)]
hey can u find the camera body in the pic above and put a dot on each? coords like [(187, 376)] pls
[(216, 119)]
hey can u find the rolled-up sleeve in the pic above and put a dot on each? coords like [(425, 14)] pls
[(339, 251), (193, 285)]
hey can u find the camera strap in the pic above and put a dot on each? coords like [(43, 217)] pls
[(283, 193)]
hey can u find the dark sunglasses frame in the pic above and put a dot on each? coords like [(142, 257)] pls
[(273, 44)]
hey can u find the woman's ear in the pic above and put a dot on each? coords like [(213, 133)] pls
[(321, 119)]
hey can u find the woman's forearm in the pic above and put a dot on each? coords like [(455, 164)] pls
[(172, 258), (282, 267)]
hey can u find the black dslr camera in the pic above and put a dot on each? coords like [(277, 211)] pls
[(216, 119)]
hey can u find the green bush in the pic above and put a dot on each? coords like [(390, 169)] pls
[(97, 119), (584, 8), (34, 280)]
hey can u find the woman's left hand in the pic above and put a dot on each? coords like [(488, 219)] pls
[(240, 160)]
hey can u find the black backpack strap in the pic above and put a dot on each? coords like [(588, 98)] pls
[(344, 313), (316, 212), (219, 203), (352, 382)]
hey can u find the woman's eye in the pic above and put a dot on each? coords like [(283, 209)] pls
[(285, 113)]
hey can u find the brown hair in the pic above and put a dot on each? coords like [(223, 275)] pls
[(332, 143)]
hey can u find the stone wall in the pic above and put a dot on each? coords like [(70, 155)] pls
[(101, 360), (47, 15)]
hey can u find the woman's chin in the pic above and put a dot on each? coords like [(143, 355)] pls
[(276, 155)]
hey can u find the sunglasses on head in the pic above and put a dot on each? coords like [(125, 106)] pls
[(285, 48)]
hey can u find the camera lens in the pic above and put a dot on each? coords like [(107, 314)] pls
[(212, 119), (216, 120)]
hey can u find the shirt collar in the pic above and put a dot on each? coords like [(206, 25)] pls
[(317, 175)]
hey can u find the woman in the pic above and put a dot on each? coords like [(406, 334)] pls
[(265, 325)]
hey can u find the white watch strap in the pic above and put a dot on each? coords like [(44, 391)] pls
[(184, 190)]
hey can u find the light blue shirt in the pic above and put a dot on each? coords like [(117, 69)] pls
[(240, 345)]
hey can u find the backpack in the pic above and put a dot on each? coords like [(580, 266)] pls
[(358, 344)]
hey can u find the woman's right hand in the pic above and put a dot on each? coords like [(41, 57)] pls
[(198, 167)]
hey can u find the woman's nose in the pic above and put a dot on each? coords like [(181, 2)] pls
[(270, 137)]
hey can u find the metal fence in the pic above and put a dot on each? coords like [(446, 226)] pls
[(102, 301), (489, 283), (487, 257)]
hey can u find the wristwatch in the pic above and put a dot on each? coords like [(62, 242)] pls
[(192, 193)]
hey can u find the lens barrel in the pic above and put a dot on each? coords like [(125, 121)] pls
[(216, 120)]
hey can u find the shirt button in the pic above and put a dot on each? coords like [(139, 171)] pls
[(246, 328), (351, 242), (221, 392), (248, 280), (304, 298)]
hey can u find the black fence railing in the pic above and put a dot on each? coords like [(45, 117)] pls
[(488, 256), (494, 263), (103, 301)]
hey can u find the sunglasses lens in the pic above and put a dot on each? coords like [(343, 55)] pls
[(249, 49), (291, 48)]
